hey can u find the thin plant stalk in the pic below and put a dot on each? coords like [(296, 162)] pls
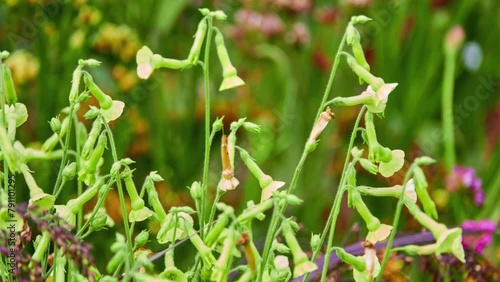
[(334, 211), (395, 222), (122, 199), (274, 225), (79, 218), (447, 109), (206, 74)]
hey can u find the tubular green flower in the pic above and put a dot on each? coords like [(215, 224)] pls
[(266, 182), (37, 197), (172, 273), (147, 62), (300, 259), (139, 212), (378, 231), (229, 73), (204, 251), (375, 82), (110, 109), (223, 263)]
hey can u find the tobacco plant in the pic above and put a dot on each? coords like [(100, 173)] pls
[(227, 248)]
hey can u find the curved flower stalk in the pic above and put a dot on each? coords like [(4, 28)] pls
[(266, 182), (37, 197)]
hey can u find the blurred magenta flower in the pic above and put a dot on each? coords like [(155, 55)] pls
[(466, 176), (485, 227)]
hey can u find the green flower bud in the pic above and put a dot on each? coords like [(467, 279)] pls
[(89, 63), (92, 137), (141, 239), (196, 190), (217, 125), (421, 189), (69, 171), (369, 166), (75, 85), (99, 221), (360, 19), (88, 170), (315, 242), (194, 53), (53, 140), (424, 161), (10, 90), (252, 127)]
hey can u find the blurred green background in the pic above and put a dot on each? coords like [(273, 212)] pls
[(284, 51)]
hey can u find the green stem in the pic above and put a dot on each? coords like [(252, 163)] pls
[(332, 217), (122, 199), (212, 212), (334, 212), (79, 218), (395, 222), (269, 240), (276, 221), (206, 74), (2, 107), (447, 109), (65, 150)]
